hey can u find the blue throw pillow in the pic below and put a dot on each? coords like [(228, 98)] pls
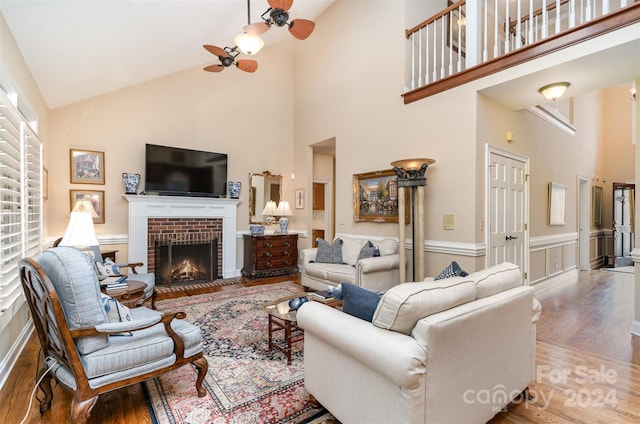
[(359, 302), (453, 270), (329, 253)]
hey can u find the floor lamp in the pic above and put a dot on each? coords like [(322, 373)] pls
[(410, 173)]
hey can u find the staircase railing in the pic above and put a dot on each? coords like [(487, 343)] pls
[(472, 32)]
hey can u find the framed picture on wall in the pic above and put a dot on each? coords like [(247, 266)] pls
[(557, 203), (96, 197), (87, 167), (596, 206), (375, 197), (300, 198)]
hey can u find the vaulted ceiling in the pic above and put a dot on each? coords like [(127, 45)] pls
[(78, 49)]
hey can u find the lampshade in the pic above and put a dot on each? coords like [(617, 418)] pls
[(283, 209), (248, 43), (554, 91), (80, 230), (270, 208), (412, 164)]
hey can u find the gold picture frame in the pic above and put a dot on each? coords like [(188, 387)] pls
[(596, 206), (375, 197), (87, 166), (96, 197)]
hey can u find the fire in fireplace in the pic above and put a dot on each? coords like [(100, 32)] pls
[(186, 261)]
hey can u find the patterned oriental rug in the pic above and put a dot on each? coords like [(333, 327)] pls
[(245, 383)]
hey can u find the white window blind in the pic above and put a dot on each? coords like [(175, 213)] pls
[(20, 204)]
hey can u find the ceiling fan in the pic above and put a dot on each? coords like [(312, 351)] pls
[(227, 58), (279, 16)]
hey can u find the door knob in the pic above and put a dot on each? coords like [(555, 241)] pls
[(510, 238)]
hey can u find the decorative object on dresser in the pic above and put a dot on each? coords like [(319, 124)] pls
[(270, 255)]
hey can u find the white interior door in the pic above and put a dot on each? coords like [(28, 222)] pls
[(507, 217)]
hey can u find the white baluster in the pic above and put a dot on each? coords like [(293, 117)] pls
[(413, 61), (623, 3), (450, 35), (558, 16), (545, 20), (495, 32), (506, 28), (426, 56), (442, 37), (587, 11), (518, 33), (531, 22), (485, 42), (420, 58), (435, 51), (572, 13), (605, 7), (460, 46)]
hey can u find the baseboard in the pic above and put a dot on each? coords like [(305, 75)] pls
[(14, 353), (635, 328), (549, 283)]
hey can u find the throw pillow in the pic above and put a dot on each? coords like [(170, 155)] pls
[(329, 253), (359, 302), (116, 312), (453, 270), (107, 269), (367, 251)]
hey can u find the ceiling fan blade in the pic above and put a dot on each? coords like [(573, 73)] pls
[(301, 28), (213, 68), (215, 50), (256, 28), (280, 4), (247, 65)]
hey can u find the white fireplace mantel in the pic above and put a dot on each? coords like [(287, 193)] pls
[(143, 207)]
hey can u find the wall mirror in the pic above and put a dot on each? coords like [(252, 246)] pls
[(263, 187)]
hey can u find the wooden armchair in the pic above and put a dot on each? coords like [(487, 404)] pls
[(81, 348)]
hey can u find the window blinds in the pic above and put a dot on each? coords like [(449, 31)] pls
[(20, 204)]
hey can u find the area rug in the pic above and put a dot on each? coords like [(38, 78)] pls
[(191, 287), (245, 383)]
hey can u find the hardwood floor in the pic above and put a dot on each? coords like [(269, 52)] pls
[(588, 363)]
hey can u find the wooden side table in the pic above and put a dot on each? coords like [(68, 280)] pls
[(129, 296)]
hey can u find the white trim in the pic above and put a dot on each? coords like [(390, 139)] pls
[(538, 241), (455, 248), (635, 328), (553, 117), (14, 352)]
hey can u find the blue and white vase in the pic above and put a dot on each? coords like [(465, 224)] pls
[(234, 189), (131, 182)]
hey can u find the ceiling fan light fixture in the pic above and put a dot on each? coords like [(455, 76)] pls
[(554, 91), (249, 44)]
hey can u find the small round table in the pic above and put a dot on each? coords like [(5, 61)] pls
[(129, 296)]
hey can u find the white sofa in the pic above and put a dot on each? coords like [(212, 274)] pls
[(449, 351), (376, 273)]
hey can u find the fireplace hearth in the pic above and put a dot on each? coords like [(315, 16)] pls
[(185, 261)]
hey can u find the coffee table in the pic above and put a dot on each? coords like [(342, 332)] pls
[(287, 323)]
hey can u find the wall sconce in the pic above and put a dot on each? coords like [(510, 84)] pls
[(554, 91), (410, 173)]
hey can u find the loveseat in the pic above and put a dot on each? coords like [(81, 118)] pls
[(456, 350), (378, 272)]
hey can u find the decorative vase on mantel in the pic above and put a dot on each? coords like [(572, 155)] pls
[(234, 189), (131, 182)]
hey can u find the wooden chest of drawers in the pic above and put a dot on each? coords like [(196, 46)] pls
[(270, 255)]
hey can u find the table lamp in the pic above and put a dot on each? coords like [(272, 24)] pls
[(80, 232), (283, 211), (269, 212)]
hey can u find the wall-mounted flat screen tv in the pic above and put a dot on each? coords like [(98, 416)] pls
[(184, 172)]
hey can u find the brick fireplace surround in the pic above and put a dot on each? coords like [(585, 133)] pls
[(184, 215)]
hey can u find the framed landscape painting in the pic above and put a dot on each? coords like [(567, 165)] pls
[(96, 197), (87, 167), (375, 197)]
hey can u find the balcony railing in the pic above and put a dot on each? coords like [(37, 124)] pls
[(470, 33)]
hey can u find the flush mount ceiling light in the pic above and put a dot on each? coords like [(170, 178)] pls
[(554, 91)]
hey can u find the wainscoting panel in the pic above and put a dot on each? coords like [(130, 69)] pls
[(598, 241), (552, 256)]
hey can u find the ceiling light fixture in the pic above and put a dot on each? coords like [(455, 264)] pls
[(248, 43), (554, 91)]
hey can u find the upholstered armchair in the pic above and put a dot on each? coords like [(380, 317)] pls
[(88, 349)]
